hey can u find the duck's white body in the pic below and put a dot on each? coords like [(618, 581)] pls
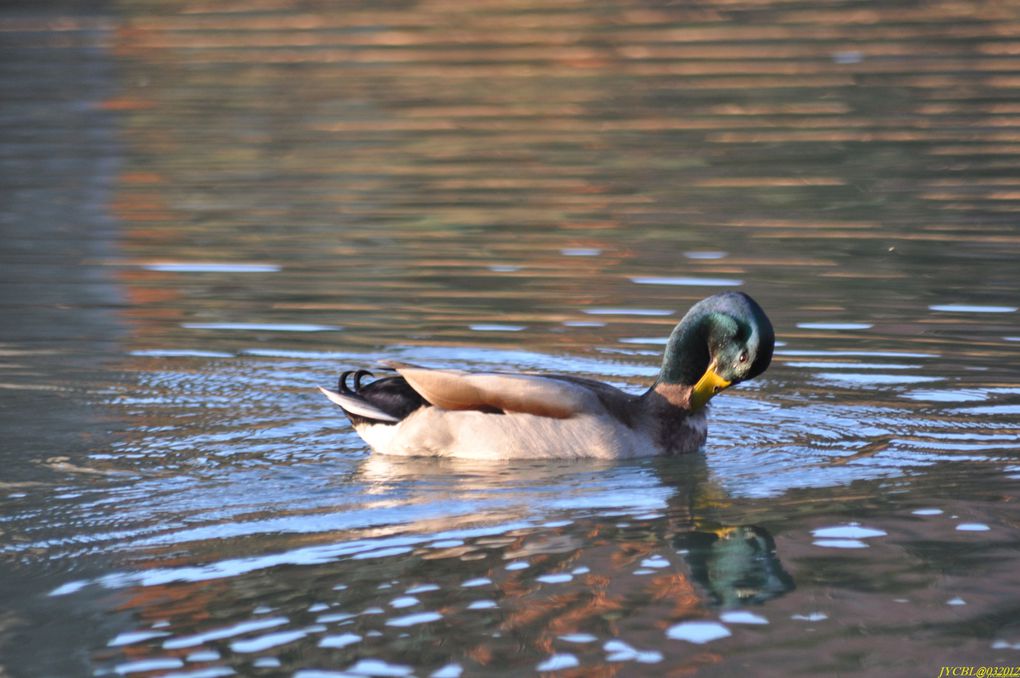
[(436, 432)]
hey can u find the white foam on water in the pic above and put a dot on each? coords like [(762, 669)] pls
[(698, 632), (415, 619), (742, 617), (558, 662)]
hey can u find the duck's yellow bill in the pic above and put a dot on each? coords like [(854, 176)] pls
[(709, 384)]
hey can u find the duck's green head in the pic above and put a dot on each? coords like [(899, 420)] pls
[(723, 340)]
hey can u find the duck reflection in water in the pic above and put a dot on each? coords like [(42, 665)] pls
[(499, 563), (736, 565), (687, 548)]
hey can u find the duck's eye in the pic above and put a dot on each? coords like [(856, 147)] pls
[(743, 357)]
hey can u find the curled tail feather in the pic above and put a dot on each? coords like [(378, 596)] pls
[(382, 401)]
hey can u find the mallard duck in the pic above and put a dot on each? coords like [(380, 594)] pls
[(723, 340)]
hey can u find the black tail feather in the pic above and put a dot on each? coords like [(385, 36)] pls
[(392, 395), (342, 386)]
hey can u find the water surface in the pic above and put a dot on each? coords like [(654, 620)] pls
[(213, 207)]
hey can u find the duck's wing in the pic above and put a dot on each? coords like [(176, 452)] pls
[(495, 392)]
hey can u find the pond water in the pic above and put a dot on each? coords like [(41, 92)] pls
[(212, 206)]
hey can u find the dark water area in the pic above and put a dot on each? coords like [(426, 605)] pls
[(211, 207)]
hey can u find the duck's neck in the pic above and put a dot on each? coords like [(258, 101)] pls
[(687, 351)]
